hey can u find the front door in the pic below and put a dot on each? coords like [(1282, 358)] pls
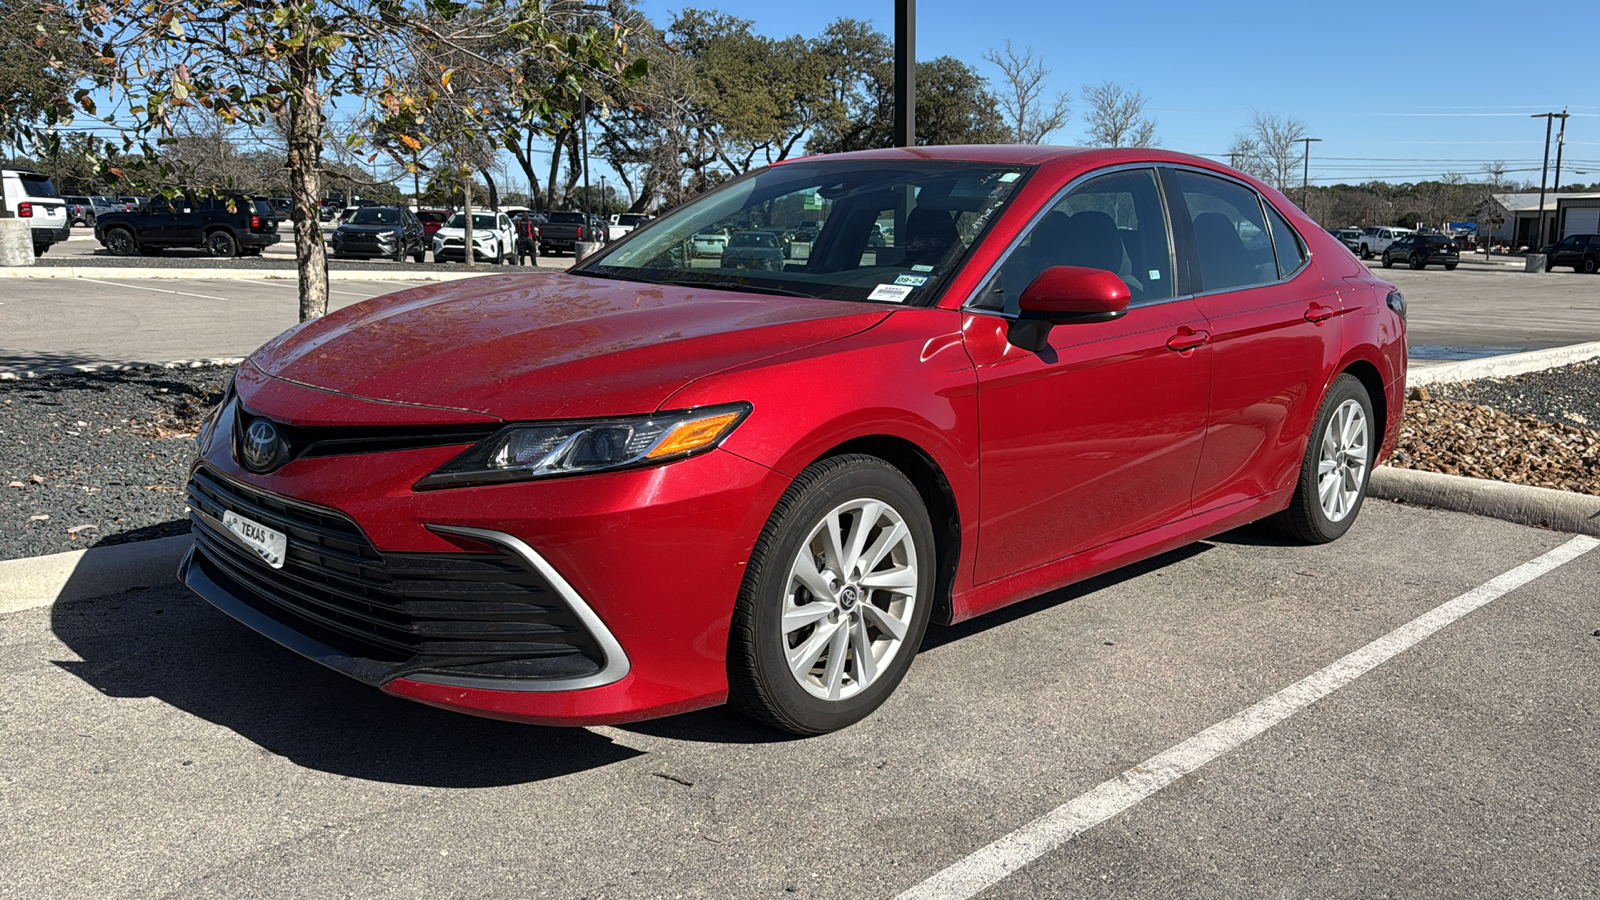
[(1096, 437)]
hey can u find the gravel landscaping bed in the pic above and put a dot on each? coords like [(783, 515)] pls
[(1540, 429), (98, 458), (101, 458)]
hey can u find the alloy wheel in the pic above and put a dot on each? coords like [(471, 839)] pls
[(120, 242), (1342, 461), (851, 593)]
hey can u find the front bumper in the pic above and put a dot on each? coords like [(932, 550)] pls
[(638, 571)]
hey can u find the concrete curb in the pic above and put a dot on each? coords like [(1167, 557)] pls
[(1502, 366), (84, 368), (140, 273), (1536, 506), (84, 574)]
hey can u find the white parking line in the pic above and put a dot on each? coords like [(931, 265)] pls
[(988, 865), (141, 287), (296, 287)]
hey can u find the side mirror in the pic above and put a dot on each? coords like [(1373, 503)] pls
[(1063, 295)]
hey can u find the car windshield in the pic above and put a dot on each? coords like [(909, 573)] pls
[(432, 215), (459, 220), (932, 210), (631, 219), (376, 215)]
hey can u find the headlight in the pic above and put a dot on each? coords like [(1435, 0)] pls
[(524, 452)]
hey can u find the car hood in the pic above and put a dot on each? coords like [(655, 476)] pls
[(527, 347), (477, 233), (366, 229)]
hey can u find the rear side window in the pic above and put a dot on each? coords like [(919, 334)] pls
[(1231, 241), (1286, 243)]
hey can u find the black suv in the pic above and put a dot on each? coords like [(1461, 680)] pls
[(1417, 250), (224, 225), (1580, 251), (386, 231)]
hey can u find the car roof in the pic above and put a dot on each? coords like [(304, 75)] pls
[(1024, 154)]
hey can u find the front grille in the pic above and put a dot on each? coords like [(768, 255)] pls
[(481, 614), (311, 441)]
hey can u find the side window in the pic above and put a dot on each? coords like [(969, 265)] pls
[(1231, 241), (1114, 222), (1285, 242)]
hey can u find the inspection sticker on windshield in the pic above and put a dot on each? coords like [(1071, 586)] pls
[(915, 281), (922, 268), (894, 293)]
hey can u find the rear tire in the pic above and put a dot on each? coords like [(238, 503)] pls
[(1591, 265), (1335, 468), (1449, 267), (1419, 262), (835, 600), (221, 245)]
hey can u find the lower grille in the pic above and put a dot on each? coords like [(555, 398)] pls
[(479, 614)]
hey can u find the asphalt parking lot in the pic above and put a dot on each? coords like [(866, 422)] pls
[(1496, 306), (151, 747)]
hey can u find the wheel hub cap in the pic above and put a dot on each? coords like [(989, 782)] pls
[(1342, 460), (850, 597)]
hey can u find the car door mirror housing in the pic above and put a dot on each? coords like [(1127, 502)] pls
[(1063, 295)]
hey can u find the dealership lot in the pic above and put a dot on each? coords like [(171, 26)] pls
[(152, 746)]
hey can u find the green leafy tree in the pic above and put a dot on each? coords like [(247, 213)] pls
[(245, 61)]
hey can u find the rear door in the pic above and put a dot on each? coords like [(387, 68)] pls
[(1275, 334)]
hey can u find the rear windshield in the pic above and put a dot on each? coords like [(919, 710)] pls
[(432, 215), (631, 219), (37, 185), (376, 216), (566, 218)]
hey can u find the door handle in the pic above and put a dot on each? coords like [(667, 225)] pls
[(1320, 313), (1187, 339)]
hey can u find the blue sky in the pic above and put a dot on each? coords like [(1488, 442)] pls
[(1402, 102)]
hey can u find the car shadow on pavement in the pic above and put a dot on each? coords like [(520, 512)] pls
[(724, 726), (174, 647)]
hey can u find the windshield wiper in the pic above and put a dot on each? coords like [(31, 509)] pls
[(722, 285)]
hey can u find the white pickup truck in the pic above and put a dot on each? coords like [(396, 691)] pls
[(1377, 239)]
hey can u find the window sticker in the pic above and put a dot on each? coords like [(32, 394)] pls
[(915, 281), (1155, 274), (894, 293), (1009, 177), (922, 268)]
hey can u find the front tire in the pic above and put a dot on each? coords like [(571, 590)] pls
[(1366, 252), (1590, 265), (1335, 469), (835, 599)]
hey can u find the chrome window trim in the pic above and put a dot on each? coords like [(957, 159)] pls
[(1046, 208), (616, 661)]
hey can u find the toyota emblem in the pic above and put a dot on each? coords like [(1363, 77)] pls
[(263, 448)]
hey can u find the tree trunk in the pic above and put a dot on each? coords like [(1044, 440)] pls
[(555, 168), (523, 153), (466, 217), (304, 164), (494, 194)]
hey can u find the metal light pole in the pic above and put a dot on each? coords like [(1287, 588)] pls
[(1305, 173), (905, 73)]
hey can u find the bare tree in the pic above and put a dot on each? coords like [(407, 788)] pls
[(1270, 149), (1028, 115), (1116, 117)]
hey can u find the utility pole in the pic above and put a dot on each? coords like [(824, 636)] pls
[(1544, 174), (1561, 142), (905, 73), (1305, 174)]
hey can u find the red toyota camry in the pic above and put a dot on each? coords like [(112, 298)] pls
[(661, 481)]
